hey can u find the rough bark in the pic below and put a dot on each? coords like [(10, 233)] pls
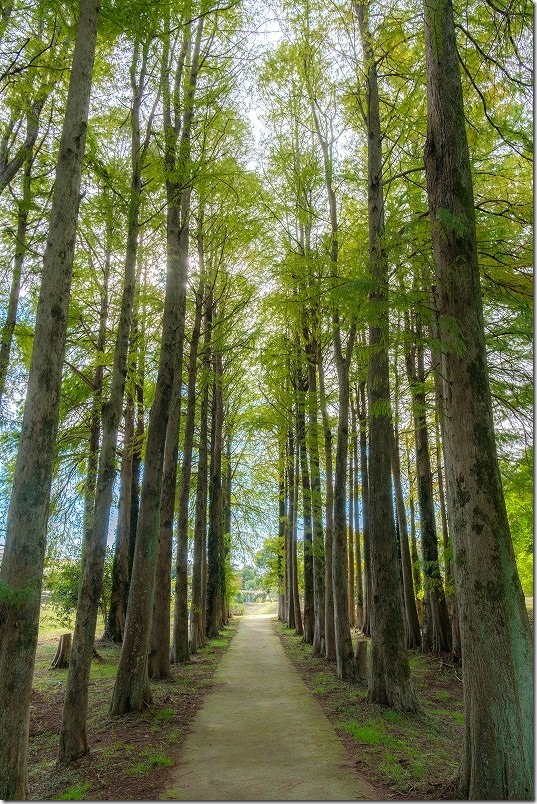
[(115, 623), (352, 597), (357, 544), (215, 602), (22, 564), (330, 640), (495, 632), (73, 731), (318, 646), (180, 641), (413, 633), (389, 675), (437, 630), (197, 609), (309, 610), (364, 477)]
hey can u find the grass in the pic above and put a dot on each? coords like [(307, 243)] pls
[(130, 756), (404, 756)]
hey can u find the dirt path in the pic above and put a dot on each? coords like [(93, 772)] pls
[(261, 735)]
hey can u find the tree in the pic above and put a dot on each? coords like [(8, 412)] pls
[(389, 674), (22, 565), (497, 759)]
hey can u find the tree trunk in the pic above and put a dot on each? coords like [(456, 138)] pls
[(309, 611), (318, 647), (160, 648), (495, 632), (437, 631), (115, 624), (215, 603), (389, 676), (352, 598), (281, 531), (364, 476), (330, 639), (357, 546), (22, 565), (197, 609), (180, 646), (413, 634), (20, 250), (73, 731)]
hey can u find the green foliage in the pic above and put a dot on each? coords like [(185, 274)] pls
[(518, 489)]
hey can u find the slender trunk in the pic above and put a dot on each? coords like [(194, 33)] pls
[(180, 650), (8, 329), (413, 634), (330, 639), (115, 624), (159, 653), (281, 531), (73, 731), (318, 646), (496, 638), (357, 546), (22, 565), (389, 673), (352, 599), (437, 631), (309, 612), (347, 668), (214, 542), (364, 477), (197, 609)]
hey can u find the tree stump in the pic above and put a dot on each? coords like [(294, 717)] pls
[(63, 652)]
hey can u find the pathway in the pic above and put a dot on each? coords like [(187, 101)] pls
[(261, 735)]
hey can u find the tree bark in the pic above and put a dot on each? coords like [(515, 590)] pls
[(330, 639), (22, 565), (73, 731), (357, 545), (389, 675), (413, 633), (364, 476), (197, 609), (215, 603), (495, 632), (437, 631), (309, 610)]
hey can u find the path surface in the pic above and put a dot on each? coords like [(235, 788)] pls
[(261, 735)]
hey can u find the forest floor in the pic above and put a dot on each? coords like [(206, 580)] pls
[(135, 758), (403, 756)]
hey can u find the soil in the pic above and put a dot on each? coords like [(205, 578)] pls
[(130, 757)]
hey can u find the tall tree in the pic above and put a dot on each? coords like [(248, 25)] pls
[(498, 754), (389, 674), (22, 564)]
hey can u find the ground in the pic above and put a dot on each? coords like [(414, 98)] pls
[(136, 757)]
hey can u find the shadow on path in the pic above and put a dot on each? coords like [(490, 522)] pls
[(261, 735)]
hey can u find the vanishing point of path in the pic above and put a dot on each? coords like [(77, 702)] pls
[(261, 735)]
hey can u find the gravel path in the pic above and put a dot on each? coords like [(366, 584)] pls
[(261, 735)]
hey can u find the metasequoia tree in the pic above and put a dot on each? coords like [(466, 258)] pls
[(22, 564), (73, 734), (496, 637), (389, 672), (131, 690)]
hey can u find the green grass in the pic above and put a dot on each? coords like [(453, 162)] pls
[(76, 792), (152, 761)]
